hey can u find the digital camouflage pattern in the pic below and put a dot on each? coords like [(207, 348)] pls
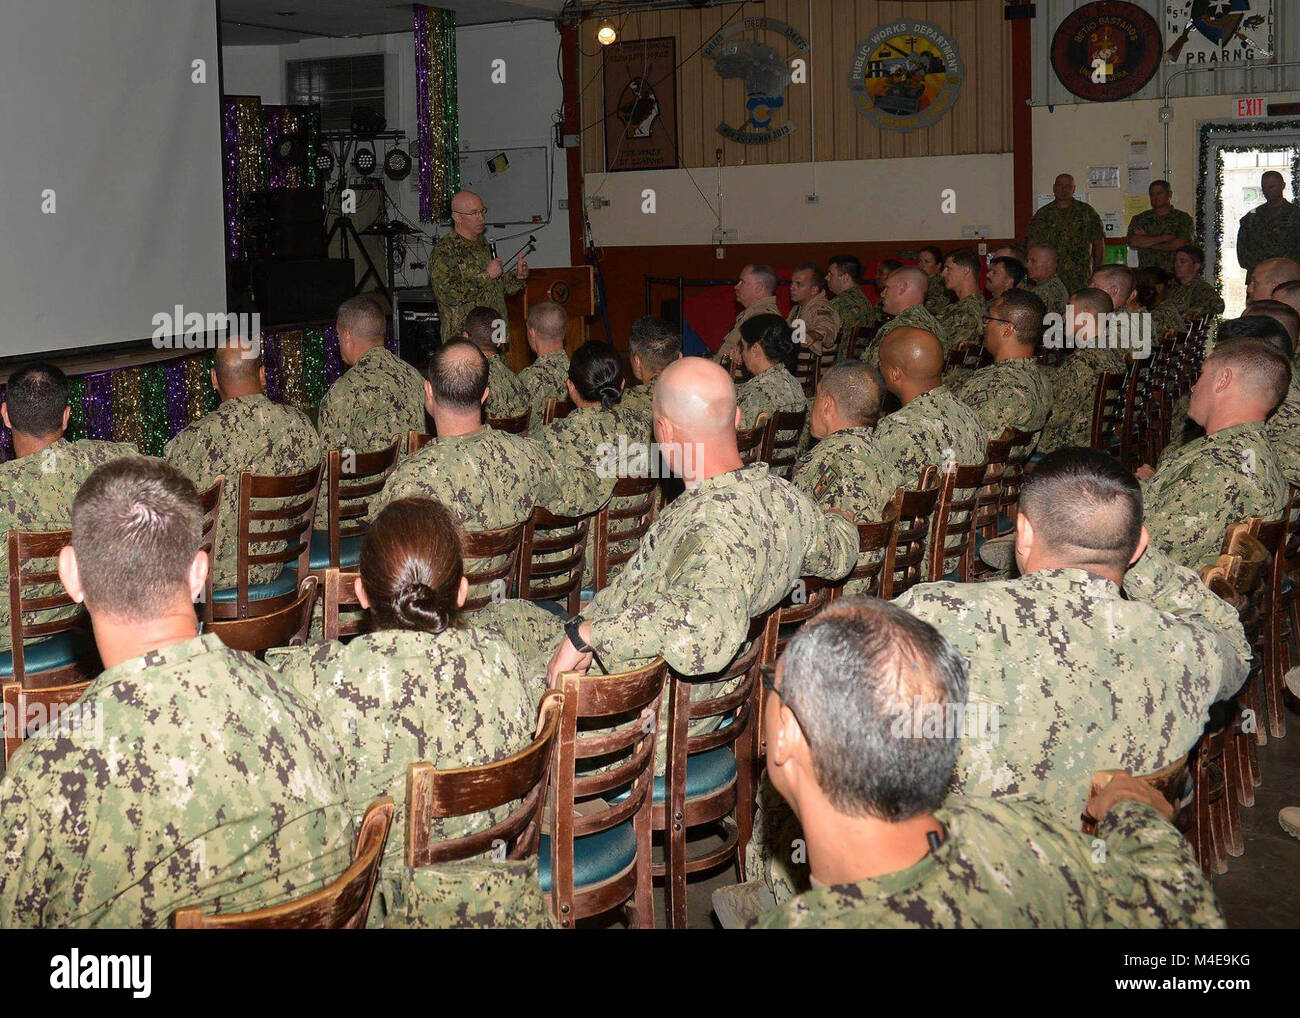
[(1071, 231), (475, 894), (730, 347), (1283, 432), (936, 294), (507, 394), (821, 323), (1074, 391), (247, 433), (1197, 298), (379, 397), (544, 380), (205, 779), (459, 280), (1208, 485), (963, 322), (934, 429), (1165, 322), (1268, 233), (917, 317), (36, 493), (1053, 293), (1012, 864), (1176, 222), (397, 697), (639, 398), (773, 391), (1014, 393), (855, 311)]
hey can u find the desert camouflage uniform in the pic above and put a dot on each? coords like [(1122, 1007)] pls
[(204, 779), (936, 294), (1176, 222), (507, 394), (1071, 231), (545, 379), (1197, 298), (378, 397), (459, 280), (36, 493), (1268, 233), (1013, 864), (855, 311), (730, 347), (917, 317), (1013, 393), (1208, 485), (1283, 431), (1074, 390), (963, 322), (247, 433), (821, 323), (1053, 293), (393, 698)]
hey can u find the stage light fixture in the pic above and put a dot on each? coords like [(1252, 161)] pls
[(606, 33), (325, 161), (364, 161), (397, 165)]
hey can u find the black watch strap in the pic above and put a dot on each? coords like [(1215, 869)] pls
[(571, 631)]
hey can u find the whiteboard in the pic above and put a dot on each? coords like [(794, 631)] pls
[(519, 194)]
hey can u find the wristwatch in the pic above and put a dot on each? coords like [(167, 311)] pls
[(571, 631)]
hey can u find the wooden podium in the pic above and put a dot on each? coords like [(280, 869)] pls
[(573, 288)]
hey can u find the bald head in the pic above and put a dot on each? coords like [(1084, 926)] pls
[(698, 398), (914, 352), (238, 369), (905, 288), (1269, 274), (465, 201), (1288, 294)]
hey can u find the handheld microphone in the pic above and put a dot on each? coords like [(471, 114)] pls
[(492, 248)]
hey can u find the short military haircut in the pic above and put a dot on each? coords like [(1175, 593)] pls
[(363, 317), (1261, 327), (1193, 251), (965, 258), (818, 276), (479, 326), (764, 275), (37, 396), (458, 375), (1291, 288), (1018, 252), (856, 389), (547, 318), (1282, 313), (849, 264), (865, 680), (1093, 300), (1086, 507), (773, 333), (1273, 173), (1049, 248), (1014, 269), (136, 527), (1160, 183), (656, 342), (1117, 275), (935, 251), (234, 369), (1025, 311), (1264, 370), (890, 264)]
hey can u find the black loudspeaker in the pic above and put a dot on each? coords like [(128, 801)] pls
[(308, 290), (287, 223), (419, 326)]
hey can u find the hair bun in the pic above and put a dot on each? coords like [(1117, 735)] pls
[(610, 395), (416, 607)]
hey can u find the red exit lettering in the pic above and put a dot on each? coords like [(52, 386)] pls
[(1252, 107)]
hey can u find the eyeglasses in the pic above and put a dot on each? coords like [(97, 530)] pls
[(1004, 321), (767, 675), (471, 212)]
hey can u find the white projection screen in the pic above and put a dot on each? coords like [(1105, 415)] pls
[(99, 107)]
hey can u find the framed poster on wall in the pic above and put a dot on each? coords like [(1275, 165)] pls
[(641, 104)]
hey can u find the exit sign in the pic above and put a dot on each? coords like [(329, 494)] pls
[(1252, 106)]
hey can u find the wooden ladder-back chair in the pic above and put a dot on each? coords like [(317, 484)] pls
[(285, 627), (339, 597), (552, 557), (210, 501), (952, 537), (351, 482), (492, 561), (906, 561), (49, 633), (27, 711), (781, 441), (620, 525), (517, 425)]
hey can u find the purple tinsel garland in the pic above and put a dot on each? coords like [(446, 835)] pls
[(230, 156), (422, 129), (271, 362), (178, 409), (333, 361), (97, 402)]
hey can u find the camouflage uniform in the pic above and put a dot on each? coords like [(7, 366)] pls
[(473, 894), (855, 311), (774, 391), (963, 322), (936, 294), (821, 323), (1269, 233), (1071, 231), (1176, 222), (1054, 294), (204, 779), (507, 394), (1197, 298), (1209, 484), (1283, 431), (1074, 390), (731, 341), (545, 379), (248, 433), (1013, 393), (917, 317), (639, 398), (459, 279), (1165, 321), (455, 699), (1012, 864), (933, 429), (378, 397), (36, 493)]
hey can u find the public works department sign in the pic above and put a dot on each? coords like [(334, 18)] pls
[(765, 70), (906, 75)]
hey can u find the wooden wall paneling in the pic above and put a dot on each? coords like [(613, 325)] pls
[(710, 99), (692, 118), (797, 147), (839, 21), (867, 138), (964, 118)]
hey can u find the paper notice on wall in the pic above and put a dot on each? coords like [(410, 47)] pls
[(1044, 199), (1103, 176), (1133, 205), (1137, 153), (1112, 224), (1139, 180)]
